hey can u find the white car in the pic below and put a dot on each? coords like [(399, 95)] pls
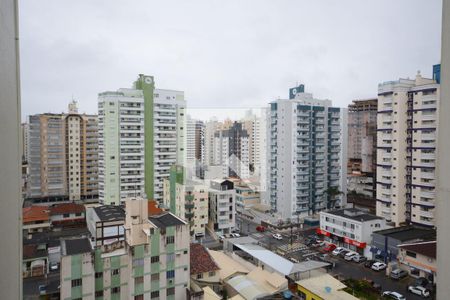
[(419, 290), (394, 295), (277, 236), (236, 235), (349, 256), (378, 266), (337, 251)]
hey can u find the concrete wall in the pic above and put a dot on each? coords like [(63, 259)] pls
[(443, 167), (10, 153)]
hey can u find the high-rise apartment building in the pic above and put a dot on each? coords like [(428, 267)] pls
[(195, 148), (25, 129), (62, 156), (231, 151), (121, 145), (142, 136), (304, 155), (406, 150)]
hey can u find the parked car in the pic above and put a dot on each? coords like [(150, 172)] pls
[(369, 263), (236, 230), (221, 238), (337, 251), (343, 253), (277, 236), (329, 248), (350, 255), (378, 266), (398, 274), (236, 235), (318, 243), (393, 295), (54, 266), (260, 228), (419, 290), (42, 289), (359, 258)]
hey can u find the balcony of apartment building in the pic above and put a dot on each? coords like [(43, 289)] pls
[(303, 128), (303, 120)]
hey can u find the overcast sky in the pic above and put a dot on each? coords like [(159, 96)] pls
[(229, 54)]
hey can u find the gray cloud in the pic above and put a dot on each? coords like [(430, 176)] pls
[(222, 53)]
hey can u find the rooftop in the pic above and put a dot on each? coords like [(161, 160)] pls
[(354, 214), (201, 260), (166, 219), (326, 287), (33, 251), (110, 213), (153, 208), (425, 248), (66, 208), (408, 233), (227, 265), (35, 213), (75, 246)]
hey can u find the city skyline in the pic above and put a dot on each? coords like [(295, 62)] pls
[(277, 37)]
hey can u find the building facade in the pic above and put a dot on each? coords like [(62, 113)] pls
[(222, 207), (195, 148), (304, 156), (350, 228), (152, 262), (406, 150), (62, 155), (121, 145)]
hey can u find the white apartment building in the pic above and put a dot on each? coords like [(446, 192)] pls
[(350, 228), (304, 156), (121, 145), (222, 206), (406, 150), (169, 136)]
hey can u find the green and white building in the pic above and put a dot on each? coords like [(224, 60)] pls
[(152, 262), (142, 134)]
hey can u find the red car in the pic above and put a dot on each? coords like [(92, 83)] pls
[(260, 228), (329, 248)]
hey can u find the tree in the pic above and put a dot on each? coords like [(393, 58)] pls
[(332, 192)]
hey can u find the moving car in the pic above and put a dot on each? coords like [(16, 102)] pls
[(277, 236), (359, 258), (329, 248), (260, 228), (350, 255), (398, 274), (419, 290), (378, 266), (393, 295), (337, 251)]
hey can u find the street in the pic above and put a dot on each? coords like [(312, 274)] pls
[(31, 285)]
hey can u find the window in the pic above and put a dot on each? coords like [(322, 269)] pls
[(408, 253), (99, 294), (154, 259), (78, 214), (138, 262), (170, 274), (155, 277), (98, 274), (139, 297), (170, 257), (76, 282), (199, 275), (139, 280), (170, 239), (170, 291), (154, 294), (115, 290), (66, 215), (115, 271), (212, 273)]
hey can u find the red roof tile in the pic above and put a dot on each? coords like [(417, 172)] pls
[(201, 261), (153, 208), (35, 213), (66, 208)]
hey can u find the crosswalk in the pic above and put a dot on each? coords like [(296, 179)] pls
[(296, 246)]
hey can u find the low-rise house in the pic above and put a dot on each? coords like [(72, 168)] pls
[(67, 214), (204, 270), (35, 219), (228, 267), (350, 228), (323, 287), (419, 259), (35, 260), (385, 242)]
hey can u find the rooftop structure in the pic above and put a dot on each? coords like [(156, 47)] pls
[(75, 246)]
